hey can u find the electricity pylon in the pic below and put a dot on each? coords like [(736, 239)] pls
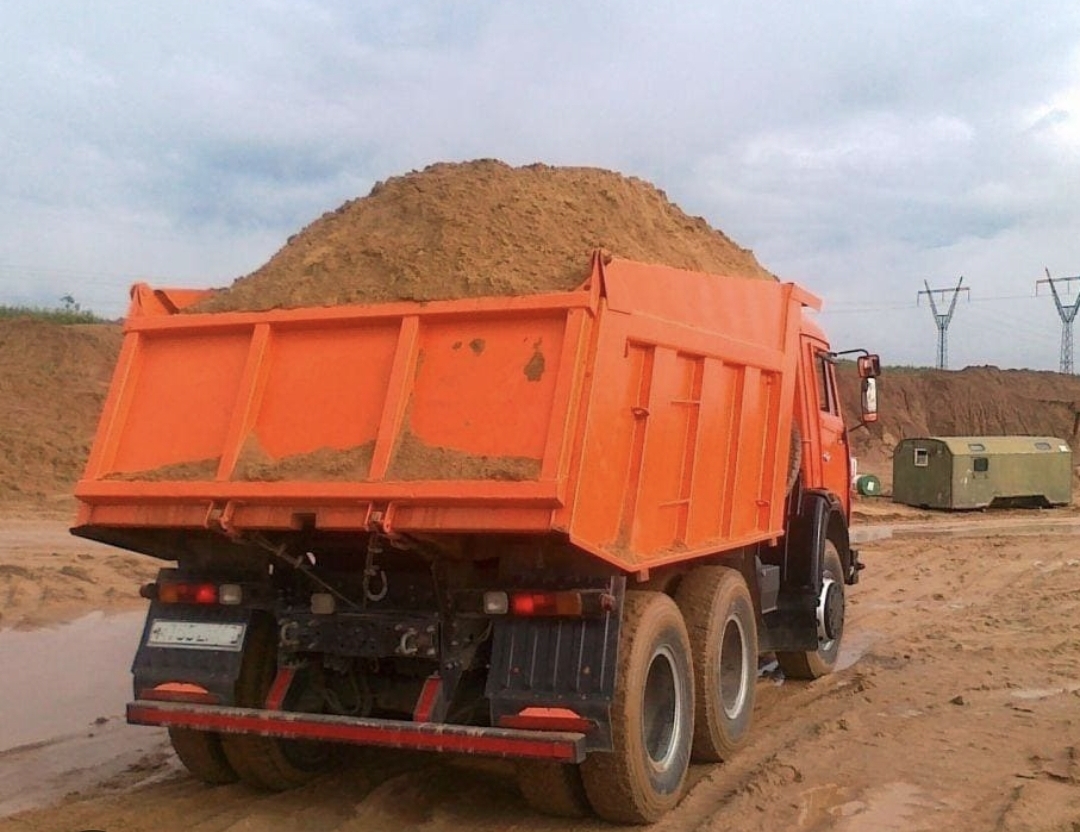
[(942, 319), (1068, 315)]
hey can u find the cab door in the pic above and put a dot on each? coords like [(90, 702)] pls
[(829, 444)]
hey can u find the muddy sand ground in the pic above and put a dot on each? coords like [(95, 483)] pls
[(958, 706)]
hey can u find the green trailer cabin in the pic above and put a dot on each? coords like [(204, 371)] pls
[(964, 472)]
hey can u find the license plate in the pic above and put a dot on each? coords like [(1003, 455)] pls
[(196, 635)]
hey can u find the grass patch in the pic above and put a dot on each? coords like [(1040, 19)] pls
[(55, 316)]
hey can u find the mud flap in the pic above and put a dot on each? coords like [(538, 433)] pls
[(558, 663), (185, 648), (792, 626)]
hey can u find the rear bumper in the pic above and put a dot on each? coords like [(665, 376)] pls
[(562, 747)]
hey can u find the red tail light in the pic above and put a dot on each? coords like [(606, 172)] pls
[(547, 603), (181, 593)]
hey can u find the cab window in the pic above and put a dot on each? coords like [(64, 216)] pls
[(826, 384)]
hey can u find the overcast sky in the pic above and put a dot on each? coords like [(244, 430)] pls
[(859, 148)]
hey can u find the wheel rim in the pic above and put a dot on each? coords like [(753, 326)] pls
[(732, 668), (830, 583), (662, 710)]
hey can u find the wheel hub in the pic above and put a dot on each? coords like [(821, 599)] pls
[(662, 704), (734, 663), (830, 610)]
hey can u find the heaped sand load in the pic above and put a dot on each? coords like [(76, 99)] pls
[(480, 228)]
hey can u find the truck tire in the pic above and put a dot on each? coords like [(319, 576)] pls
[(266, 762), (652, 716), (553, 788), (813, 664), (720, 620), (202, 755)]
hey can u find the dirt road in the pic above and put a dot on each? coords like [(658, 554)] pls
[(958, 708)]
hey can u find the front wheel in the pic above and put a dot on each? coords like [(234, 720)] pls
[(813, 664), (652, 716)]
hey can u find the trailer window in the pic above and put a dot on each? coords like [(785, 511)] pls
[(922, 457), (826, 385), (981, 464)]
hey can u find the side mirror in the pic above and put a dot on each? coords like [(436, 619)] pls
[(869, 397), (869, 367)]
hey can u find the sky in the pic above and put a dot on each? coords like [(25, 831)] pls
[(864, 150)]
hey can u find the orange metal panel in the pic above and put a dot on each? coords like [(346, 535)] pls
[(146, 301), (655, 404), (396, 396), (328, 317), (697, 377), (417, 517), (656, 516), (145, 514), (709, 496), (302, 492), (605, 473), (566, 396), (181, 400), (486, 386), (114, 410), (249, 395), (736, 308), (325, 387), (267, 516)]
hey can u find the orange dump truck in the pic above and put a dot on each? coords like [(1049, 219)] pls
[(559, 528)]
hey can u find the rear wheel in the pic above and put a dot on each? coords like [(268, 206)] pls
[(553, 788), (652, 716), (719, 613), (267, 762), (202, 755), (813, 664)]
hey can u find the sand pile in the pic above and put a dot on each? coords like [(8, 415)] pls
[(480, 228)]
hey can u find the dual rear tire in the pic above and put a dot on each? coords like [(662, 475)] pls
[(262, 762), (719, 613), (687, 671), (652, 716)]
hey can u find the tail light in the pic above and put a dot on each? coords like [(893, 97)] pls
[(566, 603), (194, 592), (187, 593), (547, 603)]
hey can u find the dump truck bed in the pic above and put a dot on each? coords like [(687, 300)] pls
[(646, 416)]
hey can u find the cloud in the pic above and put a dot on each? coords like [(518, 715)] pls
[(859, 149)]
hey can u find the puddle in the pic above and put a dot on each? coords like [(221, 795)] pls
[(62, 728), (114, 754), (58, 680)]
